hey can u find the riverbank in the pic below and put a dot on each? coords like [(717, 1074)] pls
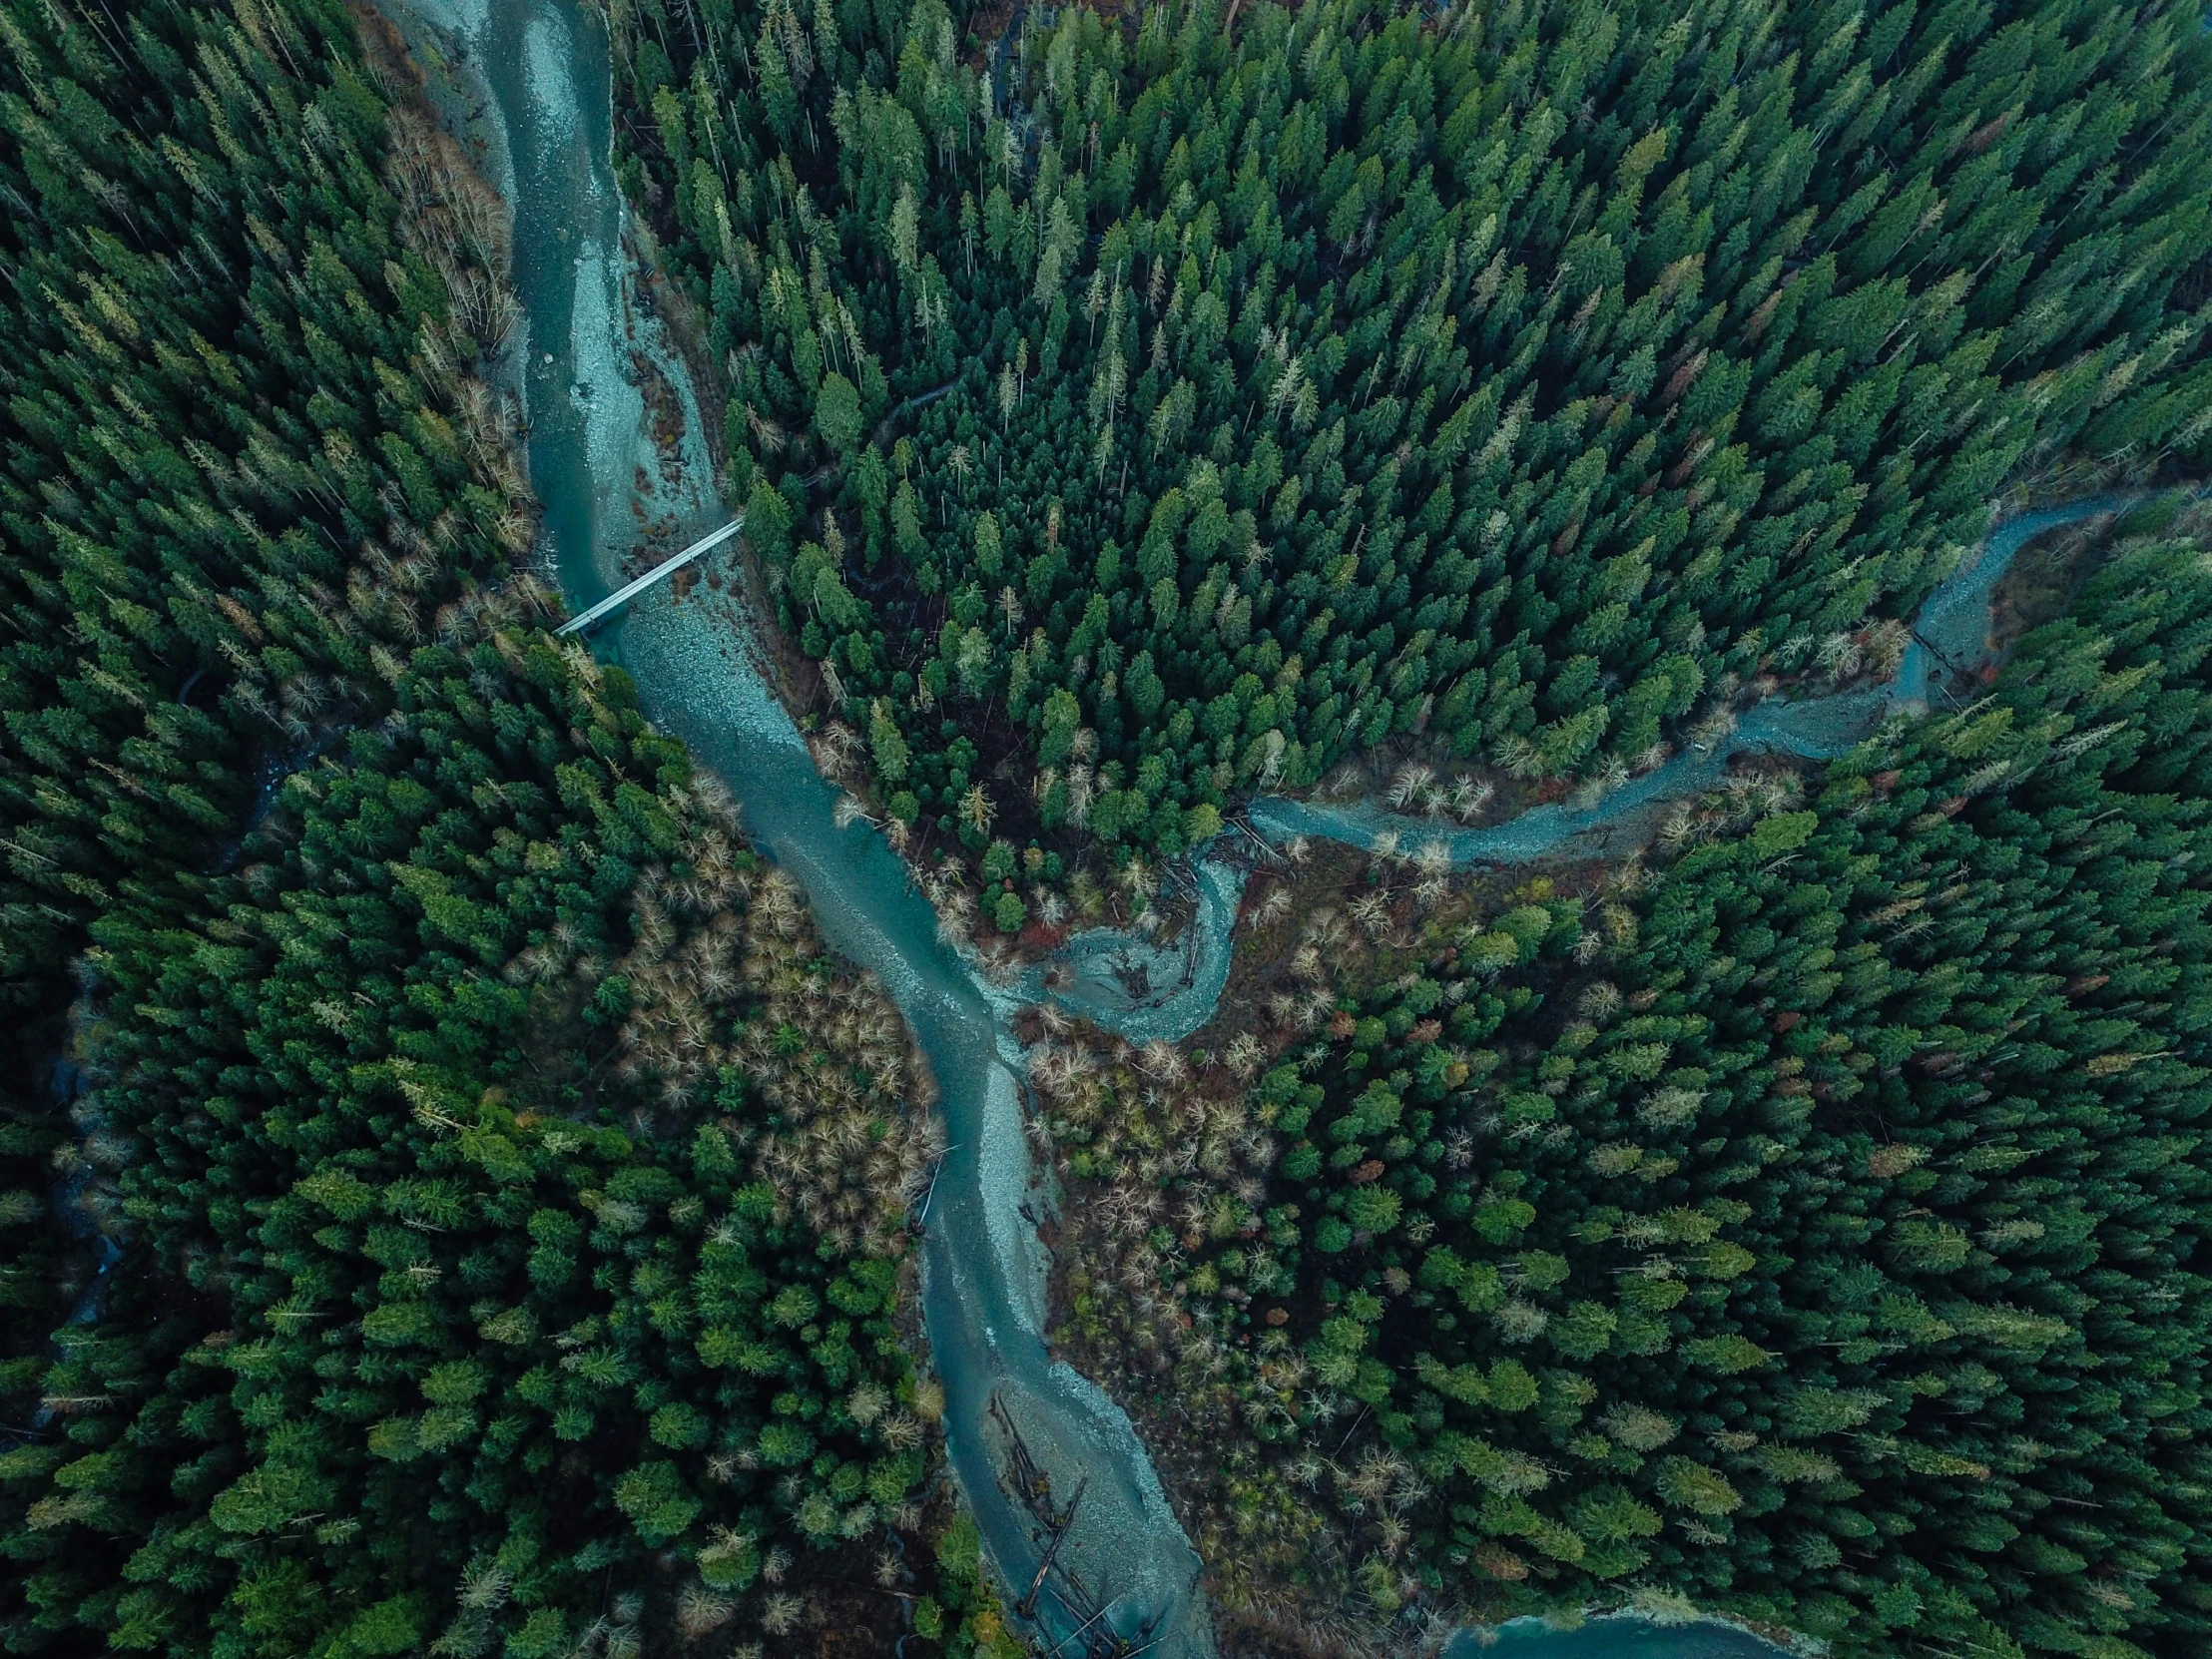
[(703, 677), (702, 665)]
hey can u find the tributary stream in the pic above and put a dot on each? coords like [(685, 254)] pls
[(592, 354)]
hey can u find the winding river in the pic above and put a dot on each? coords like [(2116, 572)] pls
[(528, 82)]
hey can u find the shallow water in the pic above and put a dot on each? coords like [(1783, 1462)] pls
[(983, 1282), (1950, 636), (547, 138), (1610, 1638)]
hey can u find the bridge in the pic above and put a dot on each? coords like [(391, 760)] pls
[(668, 567)]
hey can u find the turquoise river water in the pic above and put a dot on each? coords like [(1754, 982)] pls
[(528, 81)]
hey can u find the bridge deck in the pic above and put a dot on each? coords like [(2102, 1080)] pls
[(668, 567)]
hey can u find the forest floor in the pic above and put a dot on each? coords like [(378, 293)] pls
[(1260, 1611), (841, 1606), (2043, 580), (1280, 1590), (2048, 572)]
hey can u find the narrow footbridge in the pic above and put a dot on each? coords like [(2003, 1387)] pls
[(668, 567)]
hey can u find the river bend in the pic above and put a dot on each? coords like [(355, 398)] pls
[(592, 352)]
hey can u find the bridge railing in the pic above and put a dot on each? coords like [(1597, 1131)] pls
[(666, 567)]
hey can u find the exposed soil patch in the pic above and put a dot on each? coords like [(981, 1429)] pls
[(984, 28), (2042, 579)]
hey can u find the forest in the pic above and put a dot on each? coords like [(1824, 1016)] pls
[(1808, 1218), (452, 1201), (509, 1189), (1517, 382)]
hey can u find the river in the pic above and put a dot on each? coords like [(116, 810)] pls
[(545, 139), (1951, 633)]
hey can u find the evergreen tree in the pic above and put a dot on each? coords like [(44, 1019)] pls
[(1500, 384), (511, 1191), (1813, 1227)]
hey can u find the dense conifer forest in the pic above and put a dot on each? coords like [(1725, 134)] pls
[(1518, 379), (453, 1202), (1809, 1218), (511, 1188)]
